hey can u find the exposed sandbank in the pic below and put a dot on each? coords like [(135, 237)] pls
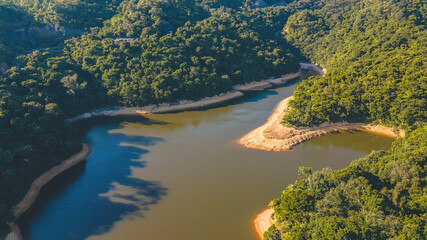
[(15, 233), (185, 105), (273, 136), (263, 221), (37, 185)]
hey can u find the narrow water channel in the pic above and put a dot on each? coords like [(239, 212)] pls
[(183, 176)]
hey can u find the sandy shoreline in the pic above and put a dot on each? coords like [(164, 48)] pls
[(37, 185), (263, 221), (238, 91), (186, 105), (273, 136)]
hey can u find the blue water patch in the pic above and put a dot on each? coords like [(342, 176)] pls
[(82, 209)]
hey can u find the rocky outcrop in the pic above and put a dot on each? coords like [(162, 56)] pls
[(167, 27), (15, 233), (117, 41), (4, 67), (312, 67), (186, 105), (40, 36), (264, 4)]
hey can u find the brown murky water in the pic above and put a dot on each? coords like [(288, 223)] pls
[(183, 176)]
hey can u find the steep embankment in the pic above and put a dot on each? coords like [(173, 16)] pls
[(238, 91), (38, 184)]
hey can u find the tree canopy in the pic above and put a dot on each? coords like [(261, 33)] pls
[(380, 196), (374, 52)]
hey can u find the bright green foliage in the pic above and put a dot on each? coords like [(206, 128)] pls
[(199, 58), (374, 52), (178, 50), (136, 52), (381, 196)]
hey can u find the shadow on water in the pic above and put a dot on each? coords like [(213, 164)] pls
[(100, 197)]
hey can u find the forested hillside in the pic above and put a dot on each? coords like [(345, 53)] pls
[(381, 196), (375, 54), (11, 18), (68, 13), (144, 52), (196, 60), (138, 52)]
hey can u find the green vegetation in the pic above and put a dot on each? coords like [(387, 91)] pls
[(201, 59), (137, 52), (375, 54), (149, 52), (381, 196), (11, 17), (68, 13)]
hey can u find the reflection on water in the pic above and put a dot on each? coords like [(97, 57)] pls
[(182, 176)]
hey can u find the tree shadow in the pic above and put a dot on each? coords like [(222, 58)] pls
[(89, 199)]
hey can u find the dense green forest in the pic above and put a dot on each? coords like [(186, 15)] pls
[(201, 59), (374, 52), (11, 18), (68, 13), (172, 50), (381, 196), (134, 52)]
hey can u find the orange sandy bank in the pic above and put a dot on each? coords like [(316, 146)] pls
[(37, 185), (273, 136), (263, 221)]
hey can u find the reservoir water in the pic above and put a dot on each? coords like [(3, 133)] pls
[(182, 176)]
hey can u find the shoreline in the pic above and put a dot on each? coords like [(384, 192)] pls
[(273, 136), (263, 221), (186, 105), (34, 191)]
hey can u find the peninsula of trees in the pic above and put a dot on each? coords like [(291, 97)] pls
[(375, 53)]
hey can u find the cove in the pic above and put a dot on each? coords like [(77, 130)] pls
[(182, 176)]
